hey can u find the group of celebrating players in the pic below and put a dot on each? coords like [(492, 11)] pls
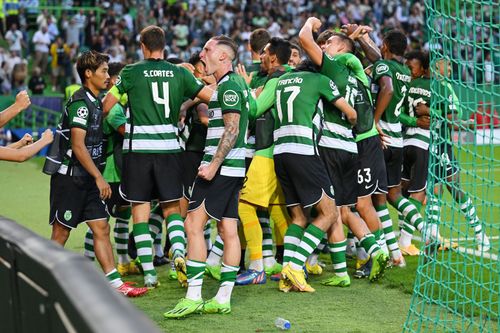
[(305, 145)]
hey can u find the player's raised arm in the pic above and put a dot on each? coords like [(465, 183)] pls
[(360, 34), (23, 153), (21, 103), (307, 40)]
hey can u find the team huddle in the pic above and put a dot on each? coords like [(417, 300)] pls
[(308, 140)]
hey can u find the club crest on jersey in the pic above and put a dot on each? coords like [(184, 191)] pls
[(67, 215), (211, 114), (118, 80), (334, 88), (382, 68), (230, 98), (82, 112)]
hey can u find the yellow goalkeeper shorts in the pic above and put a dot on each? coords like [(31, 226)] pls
[(261, 186)]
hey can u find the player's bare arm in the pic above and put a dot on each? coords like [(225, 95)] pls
[(21, 103), (307, 40), (360, 33), (83, 156), (350, 113), (227, 141), (108, 102), (384, 98), (23, 153)]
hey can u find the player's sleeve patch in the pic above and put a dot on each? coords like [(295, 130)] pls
[(230, 98), (381, 69), (334, 88)]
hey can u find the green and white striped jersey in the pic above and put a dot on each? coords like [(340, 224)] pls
[(297, 98), (231, 96), (419, 92), (156, 90), (336, 130), (401, 77)]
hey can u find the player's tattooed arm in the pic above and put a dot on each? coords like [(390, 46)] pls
[(226, 143)]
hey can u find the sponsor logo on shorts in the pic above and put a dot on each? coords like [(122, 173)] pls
[(331, 190), (68, 215), (230, 98), (368, 187)]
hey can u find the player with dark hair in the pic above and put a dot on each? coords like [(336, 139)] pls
[(219, 180), (295, 56), (75, 161), (156, 89)]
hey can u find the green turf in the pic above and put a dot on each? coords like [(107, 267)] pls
[(363, 307)]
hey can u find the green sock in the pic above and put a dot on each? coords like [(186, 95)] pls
[(292, 239), (337, 254), (195, 271), (410, 213), (176, 235), (267, 234), (390, 237), (227, 279), (144, 245), (310, 240), (155, 222), (469, 211), (369, 243), (89, 245), (120, 232), (114, 279)]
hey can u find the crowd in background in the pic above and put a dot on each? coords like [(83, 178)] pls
[(52, 42)]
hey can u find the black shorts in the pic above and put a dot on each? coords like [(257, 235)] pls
[(146, 177), (415, 168), (190, 163), (393, 164), (444, 165), (220, 196), (371, 173), (303, 178), (341, 166), (116, 200), (73, 201)]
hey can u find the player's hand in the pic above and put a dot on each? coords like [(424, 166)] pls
[(360, 31), (47, 136), (424, 122), (27, 139), (349, 28), (422, 109), (315, 23), (240, 70), (209, 80), (104, 188), (187, 66), (23, 100), (384, 138), (207, 171)]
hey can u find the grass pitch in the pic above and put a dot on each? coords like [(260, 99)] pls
[(363, 307)]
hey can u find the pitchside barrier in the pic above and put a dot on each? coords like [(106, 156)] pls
[(45, 288)]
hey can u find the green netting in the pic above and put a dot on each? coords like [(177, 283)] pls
[(458, 290)]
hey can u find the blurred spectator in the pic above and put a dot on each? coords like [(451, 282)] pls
[(15, 39), (36, 83), (19, 76), (52, 29), (11, 8), (81, 21), (41, 40), (60, 53), (72, 32)]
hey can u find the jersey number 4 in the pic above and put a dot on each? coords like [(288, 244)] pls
[(295, 90), (159, 100)]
